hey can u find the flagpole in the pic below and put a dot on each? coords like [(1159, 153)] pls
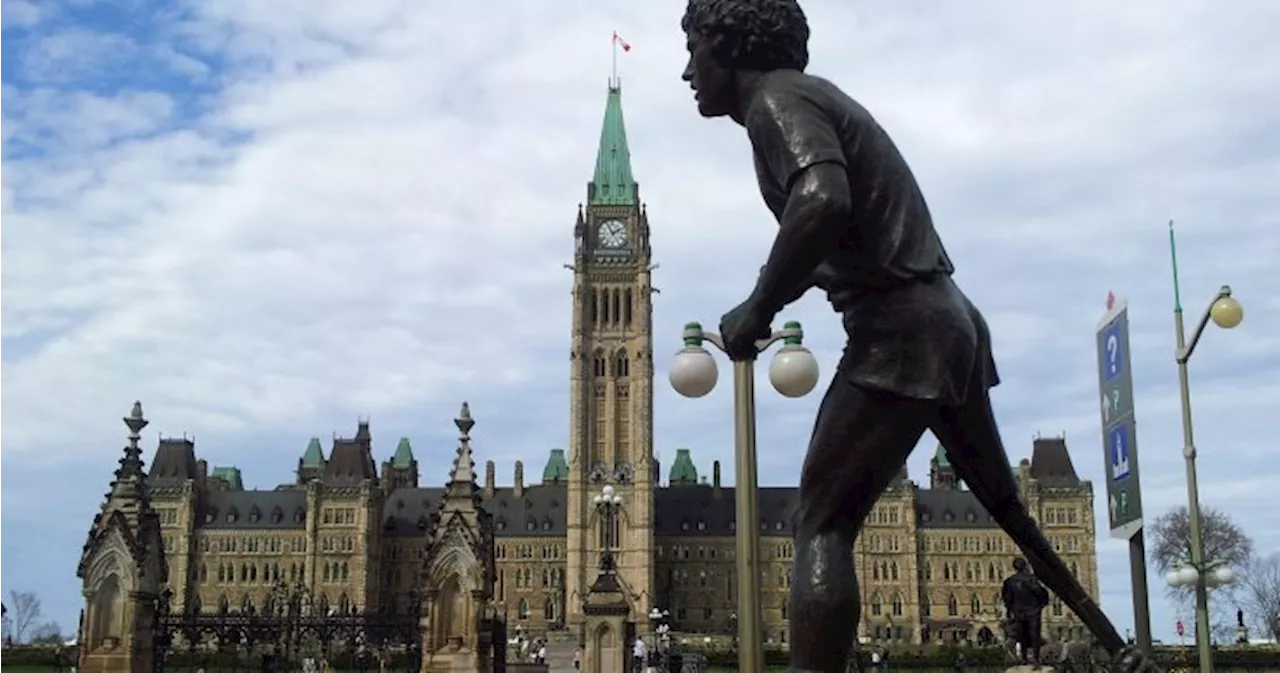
[(613, 79)]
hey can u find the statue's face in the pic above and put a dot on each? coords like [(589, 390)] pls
[(711, 81)]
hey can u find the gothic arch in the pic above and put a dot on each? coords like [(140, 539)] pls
[(112, 560), (455, 560), (621, 363), (605, 640), (599, 366)]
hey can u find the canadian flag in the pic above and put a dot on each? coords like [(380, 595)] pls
[(617, 39)]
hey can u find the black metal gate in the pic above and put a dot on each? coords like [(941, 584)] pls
[(283, 635)]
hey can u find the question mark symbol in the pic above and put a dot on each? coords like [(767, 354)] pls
[(1113, 349)]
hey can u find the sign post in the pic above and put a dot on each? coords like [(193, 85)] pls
[(1120, 454)]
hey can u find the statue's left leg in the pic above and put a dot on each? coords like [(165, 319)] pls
[(860, 441), (972, 441)]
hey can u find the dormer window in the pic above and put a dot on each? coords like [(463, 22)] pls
[(232, 515), (970, 516), (684, 525), (211, 515), (926, 517), (300, 516), (948, 517), (702, 525), (423, 522), (531, 525), (779, 525), (500, 524), (254, 515), (277, 515), (546, 524)]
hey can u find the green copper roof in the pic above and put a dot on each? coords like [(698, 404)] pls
[(940, 455), (231, 475), (557, 469), (614, 184), (314, 455), (683, 470), (403, 459)]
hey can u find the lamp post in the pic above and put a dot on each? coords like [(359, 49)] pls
[(661, 635), (793, 372), (1225, 312), (608, 504)]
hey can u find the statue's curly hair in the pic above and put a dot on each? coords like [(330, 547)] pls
[(752, 34)]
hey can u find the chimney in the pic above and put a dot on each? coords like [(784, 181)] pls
[(202, 468), (518, 488), (657, 471), (715, 478), (488, 479)]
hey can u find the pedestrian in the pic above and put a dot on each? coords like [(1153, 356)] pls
[(639, 651), (577, 659), (542, 653)]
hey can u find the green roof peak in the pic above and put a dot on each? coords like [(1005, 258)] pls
[(683, 471), (231, 475), (557, 469), (314, 455), (403, 458), (613, 184), (940, 456)]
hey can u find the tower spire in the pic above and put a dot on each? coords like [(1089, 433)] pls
[(464, 473), (613, 183)]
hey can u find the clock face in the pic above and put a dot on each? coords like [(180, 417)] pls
[(613, 234)]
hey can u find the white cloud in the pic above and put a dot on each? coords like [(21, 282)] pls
[(325, 210)]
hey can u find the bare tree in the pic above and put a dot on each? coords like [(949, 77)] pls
[(26, 613), (1223, 541), (1260, 594)]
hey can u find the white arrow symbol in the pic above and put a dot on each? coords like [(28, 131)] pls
[(1114, 506), (1106, 409)]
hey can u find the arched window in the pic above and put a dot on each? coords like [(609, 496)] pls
[(926, 606), (593, 312), (549, 610), (975, 605), (615, 312), (627, 308), (953, 606), (897, 605), (522, 609), (622, 366), (877, 604), (598, 365), (893, 571)]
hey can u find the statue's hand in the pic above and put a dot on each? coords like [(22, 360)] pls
[(1134, 660)]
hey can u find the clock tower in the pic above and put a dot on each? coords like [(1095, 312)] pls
[(611, 379)]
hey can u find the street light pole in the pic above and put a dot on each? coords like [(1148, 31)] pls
[(793, 372), (1227, 313)]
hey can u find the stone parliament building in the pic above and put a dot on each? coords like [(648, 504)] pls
[(358, 533)]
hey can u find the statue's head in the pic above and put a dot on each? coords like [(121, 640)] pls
[(728, 37), (1020, 565)]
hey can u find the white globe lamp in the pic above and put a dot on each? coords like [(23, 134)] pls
[(794, 370), (693, 371)]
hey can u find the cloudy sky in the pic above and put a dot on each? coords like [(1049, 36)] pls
[(266, 219)]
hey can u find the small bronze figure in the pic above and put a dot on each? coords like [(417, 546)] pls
[(1024, 598), (853, 222)]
